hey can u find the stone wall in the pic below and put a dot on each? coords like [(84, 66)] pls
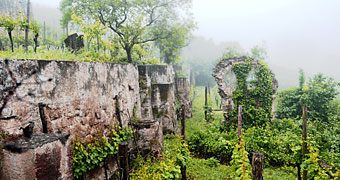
[(82, 98), (42, 157), (78, 98), (183, 94)]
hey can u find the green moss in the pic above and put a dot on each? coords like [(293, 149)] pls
[(134, 114)]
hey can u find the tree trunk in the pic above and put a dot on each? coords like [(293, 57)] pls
[(11, 39), (36, 42), (298, 171), (128, 53), (98, 43), (66, 29)]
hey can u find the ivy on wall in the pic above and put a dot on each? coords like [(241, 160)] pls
[(90, 155), (255, 96)]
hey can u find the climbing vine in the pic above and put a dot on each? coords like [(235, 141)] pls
[(89, 155), (255, 95), (240, 162)]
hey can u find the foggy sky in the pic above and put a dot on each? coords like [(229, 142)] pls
[(296, 33)]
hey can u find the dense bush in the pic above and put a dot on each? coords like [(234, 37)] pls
[(280, 141), (317, 94), (168, 166)]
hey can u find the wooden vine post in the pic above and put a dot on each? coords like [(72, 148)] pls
[(206, 103), (257, 165), (26, 29), (123, 160), (183, 168), (304, 138), (183, 121), (239, 122)]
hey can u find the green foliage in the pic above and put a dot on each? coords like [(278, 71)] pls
[(312, 165), (240, 162), (171, 46), (65, 8), (89, 155), (210, 114), (254, 96), (280, 142), (133, 22), (10, 23), (259, 53), (175, 155), (317, 94)]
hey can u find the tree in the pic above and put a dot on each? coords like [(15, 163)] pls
[(36, 30), (65, 8), (135, 21), (10, 24), (94, 30), (319, 93), (178, 38), (259, 53)]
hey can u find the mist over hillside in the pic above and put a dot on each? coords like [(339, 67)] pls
[(51, 16), (202, 54)]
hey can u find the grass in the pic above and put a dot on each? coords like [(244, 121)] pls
[(57, 54)]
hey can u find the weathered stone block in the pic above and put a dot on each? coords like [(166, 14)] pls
[(44, 156), (79, 98), (149, 136)]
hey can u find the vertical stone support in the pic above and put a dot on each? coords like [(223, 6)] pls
[(183, 95), (148, 136), (157, 91)]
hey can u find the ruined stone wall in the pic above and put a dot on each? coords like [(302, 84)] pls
[(227, 82), (157, 90), (78, 98), (82, 98)]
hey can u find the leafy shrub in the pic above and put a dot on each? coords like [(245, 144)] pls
[(168, 166), (89, 155), (317, 94), (211, 142), (312, 165)]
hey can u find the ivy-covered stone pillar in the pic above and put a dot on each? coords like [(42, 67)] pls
[(247, 82)]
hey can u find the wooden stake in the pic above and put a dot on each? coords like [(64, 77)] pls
[(123, 160), (257, 165), (183, 168), (304, 138), (26, 30), (206, 103), (183, 121), (239, 122)]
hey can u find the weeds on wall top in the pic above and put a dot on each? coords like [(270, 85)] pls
[(255, 95)]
